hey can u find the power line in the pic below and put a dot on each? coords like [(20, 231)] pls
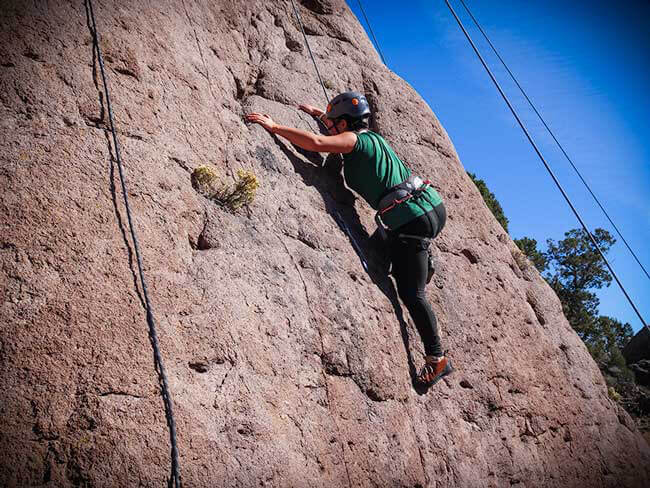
[(552, 134), (566, 197), (175, 479)]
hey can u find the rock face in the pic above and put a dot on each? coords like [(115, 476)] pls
[(288, 364), (638, 349)]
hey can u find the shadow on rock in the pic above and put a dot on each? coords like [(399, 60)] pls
[(339, 203)]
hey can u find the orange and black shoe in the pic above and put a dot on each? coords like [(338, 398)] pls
[(433, 370)]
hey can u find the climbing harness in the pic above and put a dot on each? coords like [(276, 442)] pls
[(412, 187), (175, 478)]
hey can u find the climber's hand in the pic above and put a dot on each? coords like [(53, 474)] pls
[(262, 119), (313, 111)]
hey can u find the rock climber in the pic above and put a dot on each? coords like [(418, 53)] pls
[(409, 210)]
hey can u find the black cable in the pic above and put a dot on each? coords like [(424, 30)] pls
[(175, 479), (372, 32), (552, 134), (584, 226), (295, 9), (337, 215)]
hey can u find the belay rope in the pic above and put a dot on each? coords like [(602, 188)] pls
[(337, 215), (175, 478)]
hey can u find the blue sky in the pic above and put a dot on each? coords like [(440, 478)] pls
[(586, 66)]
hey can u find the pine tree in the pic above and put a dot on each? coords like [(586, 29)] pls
[(574, 268), (529, 247), (490, 200)]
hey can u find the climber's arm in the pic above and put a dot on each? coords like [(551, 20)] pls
[(313, 111), (340, 143)]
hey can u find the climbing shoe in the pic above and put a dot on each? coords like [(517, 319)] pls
[(433, 370)]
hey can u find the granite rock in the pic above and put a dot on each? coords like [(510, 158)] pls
[(288, 363)]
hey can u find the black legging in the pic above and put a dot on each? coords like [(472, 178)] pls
[(410, 259)]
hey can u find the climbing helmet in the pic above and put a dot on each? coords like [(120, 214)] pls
[(353, 104)]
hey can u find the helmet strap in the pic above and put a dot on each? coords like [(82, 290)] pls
[(336, 123)]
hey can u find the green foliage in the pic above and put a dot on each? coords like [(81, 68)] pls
[(242, 193), (605, 339), (490, 200), (613, 394), (574, 268), (529, 247), (577, 263), (205, 180)]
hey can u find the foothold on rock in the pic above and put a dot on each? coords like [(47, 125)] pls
[(32, 54), (293, 45), (319, 6), (533, 301), (374, 395), (245, 430), (466, 384), (193, 242), (202, 243), (199, 366), (336, 363), (470, 255), (642, 372), (267, 159)]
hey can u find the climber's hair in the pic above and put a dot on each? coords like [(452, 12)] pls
[(355, 124)]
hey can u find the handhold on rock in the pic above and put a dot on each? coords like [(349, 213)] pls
[(199, 366)]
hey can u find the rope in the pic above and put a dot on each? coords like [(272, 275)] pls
[(355, 244), (175, 479), (372, 32), (557, 183), (295, 9), (552, 134), (337, 215)]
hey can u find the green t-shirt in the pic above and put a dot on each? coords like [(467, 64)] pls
[(372, 168)]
